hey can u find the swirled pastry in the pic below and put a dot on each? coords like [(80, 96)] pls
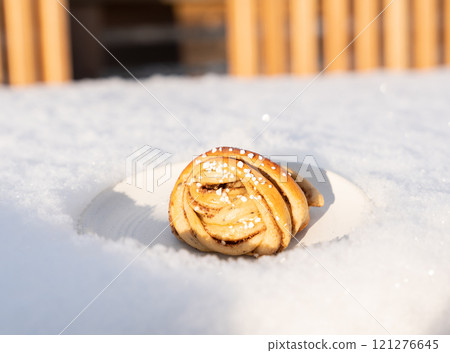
[(235, 202)]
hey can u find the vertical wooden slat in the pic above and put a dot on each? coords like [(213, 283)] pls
[(242, 37), (20, 43), (336, 38), (54, 40), (2, 50), (395, 34), (274, 49), (367, 44), (425, 48), (446, 23), (304, 36)]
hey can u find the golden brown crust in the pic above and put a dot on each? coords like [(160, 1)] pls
[(235, 202), (313, 196)]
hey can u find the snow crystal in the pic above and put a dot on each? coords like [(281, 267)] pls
[(266, 117)]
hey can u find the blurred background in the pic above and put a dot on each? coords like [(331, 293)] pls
[(40, 41)]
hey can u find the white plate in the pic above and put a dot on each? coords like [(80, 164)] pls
[(125, 210)]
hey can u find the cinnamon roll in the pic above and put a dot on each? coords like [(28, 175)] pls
[(236, 202)]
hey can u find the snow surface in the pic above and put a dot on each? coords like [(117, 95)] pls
[(388, 133)]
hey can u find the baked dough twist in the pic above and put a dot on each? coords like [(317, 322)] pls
[(236, 202)]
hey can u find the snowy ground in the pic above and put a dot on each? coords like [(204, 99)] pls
[(387, 133)]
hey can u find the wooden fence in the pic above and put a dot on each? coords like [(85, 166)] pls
[(263, 36), (37, 41), (306, 36)]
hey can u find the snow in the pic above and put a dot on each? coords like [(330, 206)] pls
[(386, 132)]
